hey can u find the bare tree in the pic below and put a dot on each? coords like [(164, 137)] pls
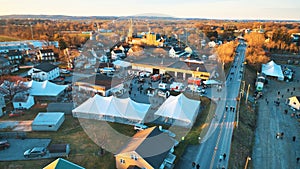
[(12, 85)]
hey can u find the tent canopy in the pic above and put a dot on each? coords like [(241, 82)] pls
[(179, 108), (45, 88), (211, 82), (115, 107), (272, 69), (121, 63)]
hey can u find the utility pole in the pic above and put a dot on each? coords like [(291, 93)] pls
[(31, 32), (247, 93)]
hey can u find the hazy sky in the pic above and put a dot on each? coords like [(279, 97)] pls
[(228, 9)]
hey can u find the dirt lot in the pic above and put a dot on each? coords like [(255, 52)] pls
[(270, 152)]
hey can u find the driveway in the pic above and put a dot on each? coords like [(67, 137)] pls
[(16, 125), (19, 146)]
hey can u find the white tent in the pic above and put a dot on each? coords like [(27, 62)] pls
[(211, 82), (272, 69), (179, 110), (121, 63), (45, 88), (112, 109)]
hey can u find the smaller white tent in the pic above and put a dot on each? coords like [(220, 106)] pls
[(272, 69), (45, 88), (121, 63), (179, 110), (112, 109), (211, 82)]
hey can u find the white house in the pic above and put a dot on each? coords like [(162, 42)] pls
[(174, 51), (117, 53), (44, 71), (23, 101), (48, 121), (212, 44), (46, 55), (294, 102)]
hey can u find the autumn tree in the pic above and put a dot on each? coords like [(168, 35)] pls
[(225, 52)]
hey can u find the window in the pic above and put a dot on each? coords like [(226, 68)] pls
[(122, 161)]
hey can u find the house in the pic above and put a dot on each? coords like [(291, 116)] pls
[(48, 121), (150, 148), (117, 54), (4, 66), (99, 83), (46, 55), (294, 102), (44, 71), (135, 51), (174, 50), (61, 163), (15, 56), (2, 104), (23, 101)]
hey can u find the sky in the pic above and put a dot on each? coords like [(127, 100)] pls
[(212, 9)]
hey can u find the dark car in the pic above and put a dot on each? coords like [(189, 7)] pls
[(35, 152), (4, 144)]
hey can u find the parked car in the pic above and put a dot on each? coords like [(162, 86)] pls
[(35, 152), (139, 127), (16, 113), (4, 144)]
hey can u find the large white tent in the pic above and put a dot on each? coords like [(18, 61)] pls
[(178, 110), (112, 109), (45, 88), (272, 69)]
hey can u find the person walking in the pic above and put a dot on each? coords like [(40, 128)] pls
[(198, 166), (294, 138), (224, 156), (193, 164)]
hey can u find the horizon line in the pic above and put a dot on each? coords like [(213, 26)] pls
[(143, 15)]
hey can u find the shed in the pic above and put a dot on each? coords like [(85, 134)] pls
[(48, 121), (60, 107)]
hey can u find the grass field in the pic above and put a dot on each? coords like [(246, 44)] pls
[(7, 38)]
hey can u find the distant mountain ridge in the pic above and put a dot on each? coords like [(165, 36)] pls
[(139, 16)]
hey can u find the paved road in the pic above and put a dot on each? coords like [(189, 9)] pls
[(217, 140)]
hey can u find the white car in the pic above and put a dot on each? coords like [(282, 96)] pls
[(139, 127), (164, 94)]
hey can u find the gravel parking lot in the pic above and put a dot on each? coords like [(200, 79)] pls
[(270, 152), (19, 146)]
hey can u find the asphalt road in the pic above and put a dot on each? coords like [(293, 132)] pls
[(217, 140)]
